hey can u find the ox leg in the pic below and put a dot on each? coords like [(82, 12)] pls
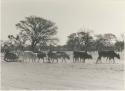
[(110, 60), (73, 59), (23, 60), (76, 59), (113, 61), (34, 60), (99, 58), (65, 60), (43, 60), (62, 60), (29, 59), (39, 60), (83, 60), (49, 59), (5, 59), (80, 60), (97, 61), (52, 60), (57, 60), (107, 60)]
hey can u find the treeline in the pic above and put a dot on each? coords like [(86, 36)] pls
[(93, 45), (38, 34), (85, 41)]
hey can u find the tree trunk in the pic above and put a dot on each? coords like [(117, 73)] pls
[(33, 46), (86, 47)]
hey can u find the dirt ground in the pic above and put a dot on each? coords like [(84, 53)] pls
[(62, 76)]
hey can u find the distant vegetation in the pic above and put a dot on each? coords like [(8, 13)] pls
[(38, 34)]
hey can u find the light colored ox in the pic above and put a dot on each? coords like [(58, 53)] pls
[(28, 56)]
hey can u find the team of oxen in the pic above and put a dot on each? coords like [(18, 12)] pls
[(52, 56)]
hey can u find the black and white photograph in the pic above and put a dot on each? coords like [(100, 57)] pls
[(62, 45)]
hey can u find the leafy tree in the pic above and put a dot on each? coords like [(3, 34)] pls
[(73, 41), (105, 41), (36, 30), (80, 40), (7, 46), (119, 45), (85, 39), (17, 41)]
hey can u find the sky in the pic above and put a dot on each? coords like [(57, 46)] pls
[(101, 16)]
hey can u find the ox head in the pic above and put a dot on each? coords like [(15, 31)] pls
[(118, 56), (68, 57), (44, 54), (89, 57)]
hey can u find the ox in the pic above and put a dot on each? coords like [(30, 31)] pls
[(81, 55), (56, 56), (63, 56), (41, 55), (10, 57), (51, 56), (108, 54), (28, 55)]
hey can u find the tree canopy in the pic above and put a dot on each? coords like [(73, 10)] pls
[(80, 40), (36, 30)]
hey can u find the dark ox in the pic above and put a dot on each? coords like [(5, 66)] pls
[(41, 55), (56, 56), (52, 56), (63, 55), (81, 55), (10, 57), (108, 54)]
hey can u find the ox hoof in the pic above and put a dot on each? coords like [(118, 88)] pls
[(48, 62)]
